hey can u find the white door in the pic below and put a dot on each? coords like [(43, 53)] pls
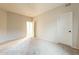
[(65, 28)]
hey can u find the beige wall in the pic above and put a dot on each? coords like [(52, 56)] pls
[(3, 25), (12, 25), (76, 25), (16, 25), (47, 24), (3, 19)]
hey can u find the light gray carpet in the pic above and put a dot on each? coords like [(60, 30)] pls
[(36, 47)]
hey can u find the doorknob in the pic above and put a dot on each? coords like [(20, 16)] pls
[(69, 30)]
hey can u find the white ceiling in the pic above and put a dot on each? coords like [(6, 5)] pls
[(29, 9)]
